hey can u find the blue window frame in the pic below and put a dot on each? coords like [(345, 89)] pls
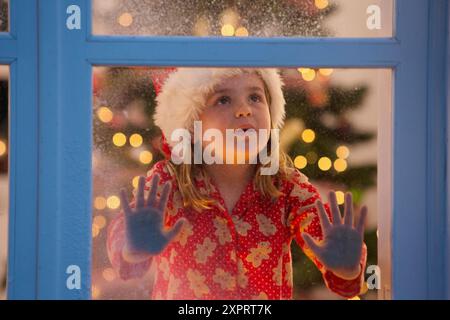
[(51, 134)]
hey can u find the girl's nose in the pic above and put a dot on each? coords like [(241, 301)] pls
[(243, 111)]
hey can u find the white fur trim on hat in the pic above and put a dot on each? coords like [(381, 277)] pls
[(184, 93)]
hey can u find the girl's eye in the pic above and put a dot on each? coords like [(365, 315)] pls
[(223, 100), (256, 98)]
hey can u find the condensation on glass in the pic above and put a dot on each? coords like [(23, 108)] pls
[(330, 132), (262, 18), (4, 179), (4, 15)]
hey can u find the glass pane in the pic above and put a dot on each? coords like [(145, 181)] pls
[(4, 185), (4, 15), (330, 132), (262, 18)]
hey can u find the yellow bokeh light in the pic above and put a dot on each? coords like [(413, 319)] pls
[(100, 203), (340, 197), (312, 157), (342, 152), (303, 70), (308, 135), (201, 27), (109, 274), (125, 19), (104, 114), (136, 140), (2, 148), (300, 162), (95, 230), (100, 221), (309, 75), (145, 157), (135, 182), (321, 4), (227, 30), (119, 139), (241, 32), (340, 165), (324, 163), (113, 202), (95, 292), (355, 298), (326, 71)]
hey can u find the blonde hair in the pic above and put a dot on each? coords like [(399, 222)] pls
[(193, 198)]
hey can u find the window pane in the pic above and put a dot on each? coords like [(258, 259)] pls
[(262, 18), (4, 15), (330, 132), (4, 181)]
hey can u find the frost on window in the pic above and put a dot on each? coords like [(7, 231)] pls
[(256, 18), (4, 15), (330, 132), (4, 180)]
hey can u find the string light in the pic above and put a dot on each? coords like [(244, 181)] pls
[(145, 157), (2, 148), (326, 71), (324, 163), (321, 4), (109, 274), (300, 162), (340, 197), (342, 152), (201, 27), (119, 139), (340, 165), (355, 298), (241, 32), (136, 140), (125, 19), (95, 230), (100, 221), (104, 114), (113, 202), (95, 292), (227, 30), (308, 135), (100, 203), (135, 182), (308, 74)]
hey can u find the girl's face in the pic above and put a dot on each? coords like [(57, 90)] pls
[(237, 102)]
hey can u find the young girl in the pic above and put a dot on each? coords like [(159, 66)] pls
[(223, 231)]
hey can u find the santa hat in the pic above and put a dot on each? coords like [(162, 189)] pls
[(182, 96)]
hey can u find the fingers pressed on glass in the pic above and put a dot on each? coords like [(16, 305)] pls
[(164, 196), (175, 230), (124, 201), (323, 217), (140, 192), (315, 248), (362, 221), (334, 208), (348, 211), (151, 200)]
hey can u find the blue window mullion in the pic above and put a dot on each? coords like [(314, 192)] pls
[(23, 156), (249, 52)]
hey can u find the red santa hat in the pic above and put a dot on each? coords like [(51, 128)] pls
[(181, 97)]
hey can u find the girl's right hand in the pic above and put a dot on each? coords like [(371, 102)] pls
[(144, 223)]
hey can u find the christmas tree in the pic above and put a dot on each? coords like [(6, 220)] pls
[(317, 134)]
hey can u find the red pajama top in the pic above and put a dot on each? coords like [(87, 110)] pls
[(242, 254)]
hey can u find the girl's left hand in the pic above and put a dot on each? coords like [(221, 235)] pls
[(341, 248)]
